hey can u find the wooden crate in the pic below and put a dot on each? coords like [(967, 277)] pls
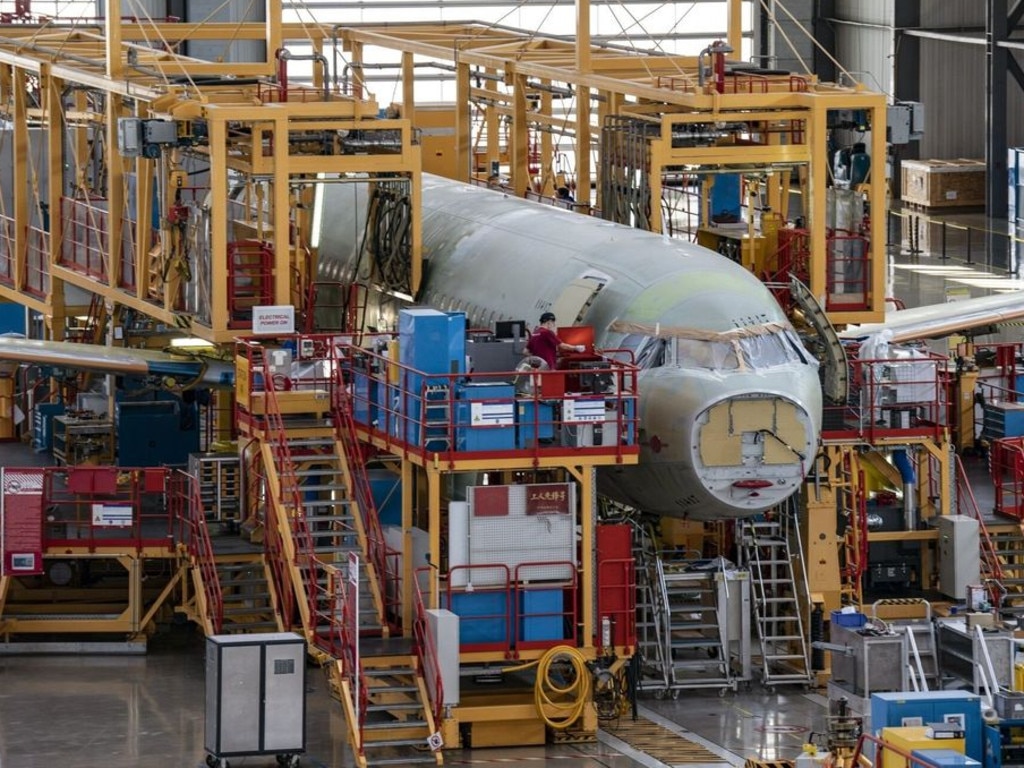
[(943, 183)]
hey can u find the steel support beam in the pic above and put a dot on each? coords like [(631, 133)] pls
[(996, 80)]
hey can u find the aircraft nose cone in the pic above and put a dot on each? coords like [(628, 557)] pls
[(752, 452)]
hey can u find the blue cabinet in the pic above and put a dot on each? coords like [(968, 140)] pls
[(541, 615), (893, 710), (483, 617), (1004, 744), (535, 421), (485, 417)]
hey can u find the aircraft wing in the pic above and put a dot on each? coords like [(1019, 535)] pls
[(117, 360), (938, 320)]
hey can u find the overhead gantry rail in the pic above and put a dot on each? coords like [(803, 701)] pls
[(176, 187), (654, 120)]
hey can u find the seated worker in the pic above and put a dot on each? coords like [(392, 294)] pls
[(545, 344)]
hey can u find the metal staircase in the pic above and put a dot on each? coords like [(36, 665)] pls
[(331, 518), (248, 603), (650, 615), (697, 644), (778, 610), (325, 514), (398, 721)]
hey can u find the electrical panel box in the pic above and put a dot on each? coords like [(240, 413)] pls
[(129, 136), (897, 120), (959, 554), (255, 694)]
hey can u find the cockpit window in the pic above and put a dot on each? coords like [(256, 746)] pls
[(766, 350), (769, 350), (715, 355)]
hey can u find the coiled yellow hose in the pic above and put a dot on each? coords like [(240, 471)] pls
[(558, 705)]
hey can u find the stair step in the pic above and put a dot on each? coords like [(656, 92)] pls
[(392, 724), (397, 743), (373, 690), (784, 657), (387, 671), (403, 705), (412, 759)]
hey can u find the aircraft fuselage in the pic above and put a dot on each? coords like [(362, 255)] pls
[(730, 404)]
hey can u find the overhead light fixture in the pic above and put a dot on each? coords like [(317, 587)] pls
[(318, 213), (191, 342)]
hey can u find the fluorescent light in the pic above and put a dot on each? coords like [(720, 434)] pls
[(190, 342), (318, 213)]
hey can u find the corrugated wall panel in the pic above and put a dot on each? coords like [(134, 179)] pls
[(866, 11), (865, 52), (794, 49), (943, 13)]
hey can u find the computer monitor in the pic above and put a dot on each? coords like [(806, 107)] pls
[(509, 329)]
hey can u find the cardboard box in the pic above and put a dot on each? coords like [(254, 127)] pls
[(984, 620)]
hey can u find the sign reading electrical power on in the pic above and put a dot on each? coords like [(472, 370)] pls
[(273, 320), (547, 499)]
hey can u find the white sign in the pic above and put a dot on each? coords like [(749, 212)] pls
[(273, 320), (492, 414), (112, 515), (576, 411)]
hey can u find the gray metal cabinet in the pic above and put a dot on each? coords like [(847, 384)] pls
[(255, 696)]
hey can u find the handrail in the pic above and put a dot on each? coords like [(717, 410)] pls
[(289, 493), (69, 493), (380, 555), (187, 501), (860, 760), (968, 504), (342, 621), (426, 651)]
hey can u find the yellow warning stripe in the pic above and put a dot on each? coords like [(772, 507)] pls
[(660, 743)]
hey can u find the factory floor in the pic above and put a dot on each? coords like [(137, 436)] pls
[(87, 711)]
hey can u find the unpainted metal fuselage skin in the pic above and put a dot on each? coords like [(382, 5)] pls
[(714, 443)]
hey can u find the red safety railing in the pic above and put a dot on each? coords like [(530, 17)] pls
[(7, 250), (485, 609), (97, 507), (539, 621), (37, 263), (250, 279), (338, 619), (425, 648), (899, 397), (85, 242), (967, 504), (126, 273), (589, 410), (848, 264), (274, 550), (186, 503), (383, 558), (885, 754), (1007, 467), (616, 600), (290, 493)]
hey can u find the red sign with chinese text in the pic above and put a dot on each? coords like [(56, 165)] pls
[(547, 499)]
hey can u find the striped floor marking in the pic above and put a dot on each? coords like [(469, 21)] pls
[(666, 746)]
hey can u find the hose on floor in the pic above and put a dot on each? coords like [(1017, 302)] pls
[(561, 695)]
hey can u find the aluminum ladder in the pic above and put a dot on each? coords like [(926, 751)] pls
[(785, 656)]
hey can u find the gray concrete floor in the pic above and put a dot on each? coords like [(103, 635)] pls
[(122, 712)]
